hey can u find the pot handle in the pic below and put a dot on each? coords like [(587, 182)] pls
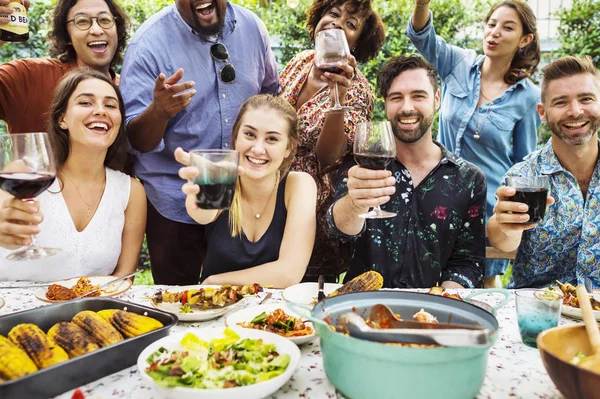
[(306, 312), (503, 302)]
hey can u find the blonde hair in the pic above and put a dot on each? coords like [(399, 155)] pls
[(267, 102)]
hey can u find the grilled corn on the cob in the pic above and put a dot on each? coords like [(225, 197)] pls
[(130, 324), (14, 362), (40, 348), (368, 281), (72, 338), (101, 330)]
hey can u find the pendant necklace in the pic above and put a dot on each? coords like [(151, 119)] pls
[(478, 127), (88, 209), (258, 215)]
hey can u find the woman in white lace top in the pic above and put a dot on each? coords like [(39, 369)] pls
[(93, 212)]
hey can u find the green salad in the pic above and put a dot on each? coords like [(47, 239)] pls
[(225, 362)]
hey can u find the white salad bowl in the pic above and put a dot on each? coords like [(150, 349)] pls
[(258, 390)]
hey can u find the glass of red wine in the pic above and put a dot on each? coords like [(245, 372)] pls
[(27, 168), (331, 47), (374, 148), (217, 177)]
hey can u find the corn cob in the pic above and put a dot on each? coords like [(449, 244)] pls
[(100, 330), (368, 281), (72, 339), (130, 324), (14, 362), (41, 349)]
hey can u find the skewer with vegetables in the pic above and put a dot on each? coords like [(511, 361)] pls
[(207, 298)]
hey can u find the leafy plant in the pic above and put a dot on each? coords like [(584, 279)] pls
[(579, 30)]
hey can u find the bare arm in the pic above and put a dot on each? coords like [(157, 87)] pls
[(420, 14), (297, 243), (146, 130), (133, 230), (366, 188)]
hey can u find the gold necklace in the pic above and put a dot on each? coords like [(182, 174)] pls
[(256, 214), (88, 209)]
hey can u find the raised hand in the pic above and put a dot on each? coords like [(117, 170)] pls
[(344, 80), (171, 97), (18, 221), (512, 216), (368, 188)]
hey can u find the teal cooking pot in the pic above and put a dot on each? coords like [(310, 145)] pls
[(362, 369)]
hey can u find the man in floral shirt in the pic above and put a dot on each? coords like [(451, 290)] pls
[(437, 236), (565, 245)]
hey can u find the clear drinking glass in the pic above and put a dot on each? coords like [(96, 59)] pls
[(374, 148), (537, 310), (217, 176), (331, 47), (533, 191), (27, 169)]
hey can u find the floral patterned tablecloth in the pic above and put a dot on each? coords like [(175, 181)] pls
[(514, 370)]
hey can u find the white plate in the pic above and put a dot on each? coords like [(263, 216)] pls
[(197, 314), (247, 314), (306, 293), (258, 390), (116, 289), (576, 312)]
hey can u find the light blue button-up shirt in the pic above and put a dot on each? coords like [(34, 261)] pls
[(564, 246), (165, 43), (508, 129)]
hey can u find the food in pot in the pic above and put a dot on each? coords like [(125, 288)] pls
[(101, 330), (207, 298), (226, 362), (130, 324), (40, 348), (14, 362), (72, 338), (280, 323)]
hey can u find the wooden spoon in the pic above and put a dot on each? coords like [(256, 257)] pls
[(591, 362)]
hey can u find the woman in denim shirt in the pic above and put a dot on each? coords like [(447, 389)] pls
[(488, 112)]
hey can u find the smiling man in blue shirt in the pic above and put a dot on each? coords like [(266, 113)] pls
[(186, 73)]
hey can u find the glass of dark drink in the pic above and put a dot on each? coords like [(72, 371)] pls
[(331, 47), (217, 177), (532, 191), (27, 169), (374, 148)]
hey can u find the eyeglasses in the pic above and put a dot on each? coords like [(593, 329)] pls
[(219, 52), (84, 22)]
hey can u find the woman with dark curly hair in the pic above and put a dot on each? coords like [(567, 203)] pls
[(488, 113), (86, 33), (326, 137)]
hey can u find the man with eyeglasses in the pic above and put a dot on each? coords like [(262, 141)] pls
[(86, 33), (186, 73)]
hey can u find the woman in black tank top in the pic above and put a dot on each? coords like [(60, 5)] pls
[(267, 235)]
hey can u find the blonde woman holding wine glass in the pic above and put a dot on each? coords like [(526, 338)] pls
[(92, 212)]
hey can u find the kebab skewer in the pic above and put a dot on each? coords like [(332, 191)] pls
[(209, 297)]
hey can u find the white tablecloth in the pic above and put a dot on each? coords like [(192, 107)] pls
[(514, 370)]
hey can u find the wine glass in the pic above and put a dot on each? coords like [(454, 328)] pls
[(27, 168), (331, 47), (374, 148)]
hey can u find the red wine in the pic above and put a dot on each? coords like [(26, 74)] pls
[(372, 161), (25, 185), (215, 196), (331, 68), (535, 198)]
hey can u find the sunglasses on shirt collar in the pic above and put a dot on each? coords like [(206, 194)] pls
[(219, 52)]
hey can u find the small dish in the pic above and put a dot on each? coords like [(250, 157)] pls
[(306, 293), (247, 314), (196, 314), (112, 290), (258, 390)]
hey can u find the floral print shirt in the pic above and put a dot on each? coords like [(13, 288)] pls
[(438, 234), (564, 246)]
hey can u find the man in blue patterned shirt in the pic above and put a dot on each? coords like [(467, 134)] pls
[(437, 236), (565, 245)]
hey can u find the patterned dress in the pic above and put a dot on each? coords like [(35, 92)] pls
[(328, 257)]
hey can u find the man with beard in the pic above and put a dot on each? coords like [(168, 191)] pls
[(565, 245), (437, 236), (186, 73)]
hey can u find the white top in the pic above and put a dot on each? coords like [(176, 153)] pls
[(91, 252)]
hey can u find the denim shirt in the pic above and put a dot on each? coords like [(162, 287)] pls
[(508, 126), (165, 43), (564, 246)]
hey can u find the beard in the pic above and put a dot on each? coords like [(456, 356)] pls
[(215, 27), (577, 138), (411, 136)]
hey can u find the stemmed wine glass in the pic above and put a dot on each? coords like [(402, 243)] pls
[(27, 168), (374, 148), (331, 47)]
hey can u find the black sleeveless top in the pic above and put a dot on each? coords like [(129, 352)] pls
[(228, 254)]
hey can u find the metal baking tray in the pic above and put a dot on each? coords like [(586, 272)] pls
[(83, 369)]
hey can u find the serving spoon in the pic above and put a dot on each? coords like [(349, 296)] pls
[(591, 362)]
